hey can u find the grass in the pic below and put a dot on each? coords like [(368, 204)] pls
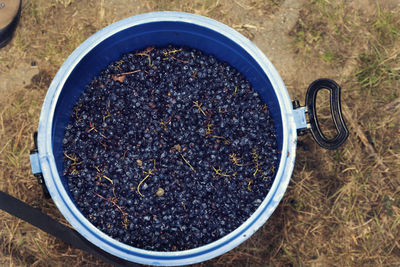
[(379, 66), (341, 207)]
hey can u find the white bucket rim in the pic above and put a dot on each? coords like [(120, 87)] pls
[(124, 251)]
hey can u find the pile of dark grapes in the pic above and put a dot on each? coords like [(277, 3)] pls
[(169, 149)]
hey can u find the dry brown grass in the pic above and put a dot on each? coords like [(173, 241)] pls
[(342, 207)]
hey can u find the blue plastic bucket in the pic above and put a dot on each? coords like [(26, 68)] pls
[(161, 29)]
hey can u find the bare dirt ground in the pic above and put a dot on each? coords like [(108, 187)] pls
[(342, 208)]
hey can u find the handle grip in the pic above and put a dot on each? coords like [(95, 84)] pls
[(336, 111)]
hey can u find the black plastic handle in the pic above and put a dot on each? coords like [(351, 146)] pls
[(336, 111)]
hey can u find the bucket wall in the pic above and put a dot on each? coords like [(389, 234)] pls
[(161, 29)]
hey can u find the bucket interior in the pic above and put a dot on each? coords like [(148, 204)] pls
[(157, 34)]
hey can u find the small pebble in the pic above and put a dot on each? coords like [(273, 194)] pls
[(160, 192)]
